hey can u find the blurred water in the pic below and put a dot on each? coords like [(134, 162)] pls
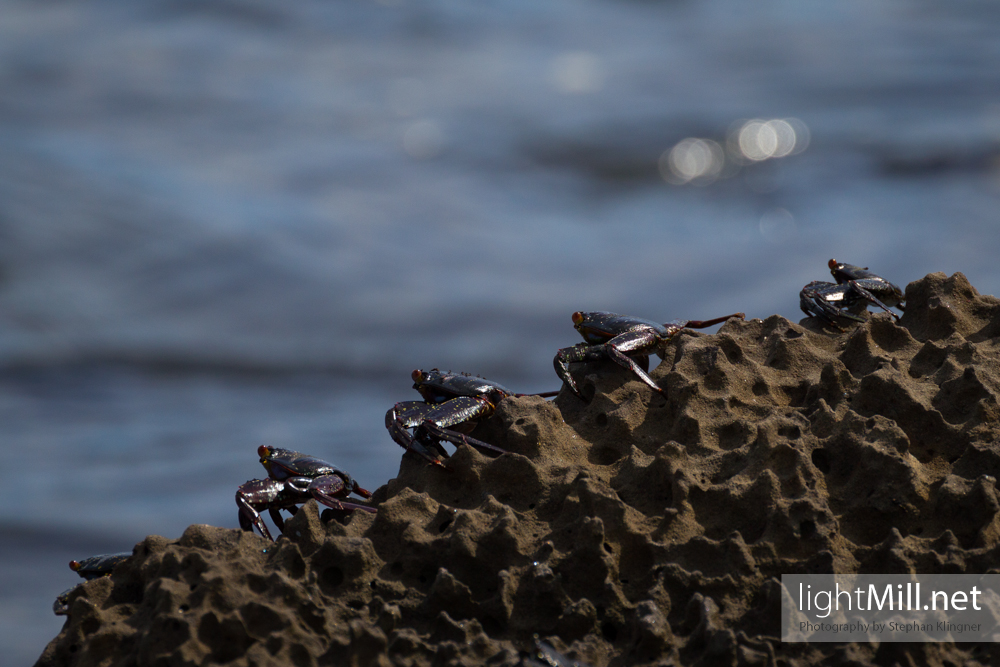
[(223, 223)]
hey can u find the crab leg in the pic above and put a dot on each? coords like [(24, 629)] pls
[(616, 349), (582, 352), (432, 422), (857, 285), (701, 324), (325, 488), (279, 521), (429, 428), (633, 341), (578, 352), (406, 415)]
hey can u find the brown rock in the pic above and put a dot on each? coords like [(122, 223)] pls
[(628, 528)]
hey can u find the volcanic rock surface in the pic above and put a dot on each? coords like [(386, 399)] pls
[(626, 529)]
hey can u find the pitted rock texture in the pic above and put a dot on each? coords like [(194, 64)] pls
[(627, 529)]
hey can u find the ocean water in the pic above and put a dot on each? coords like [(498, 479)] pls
[(227, 224)]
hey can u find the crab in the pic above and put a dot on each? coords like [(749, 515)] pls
[(94, 567), (453, 403), (545, 654), (856, 288), (294, 478), (628, 341)]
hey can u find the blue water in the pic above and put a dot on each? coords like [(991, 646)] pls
[(226, 224)]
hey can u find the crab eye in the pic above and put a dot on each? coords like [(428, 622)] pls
[(417, 375), (75, 565), (577, 317), (832, 264), (263, 452)]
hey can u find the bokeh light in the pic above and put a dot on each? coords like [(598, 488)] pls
[(697, 161), (700, 161), (777, 225), (757, 140)]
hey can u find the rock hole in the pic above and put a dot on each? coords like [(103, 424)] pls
[(759, 388), (185, 608), (734, 354), (607, 547), (520, 422), (602, 419), (356, 604), (295, 566), (790, 431), (531, 506), (90, 626), (274, 644), (821, 459), (257, 583), (491, 626), (444, 525), (807, 528), (332, 577), (396, 568), (605, 456), (609, 631), (300, 655), (733, 435)]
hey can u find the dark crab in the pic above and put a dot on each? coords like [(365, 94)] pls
[(856, 288), (293, 478), (453, 404), (94, 567), (545, 654), (628, 341)]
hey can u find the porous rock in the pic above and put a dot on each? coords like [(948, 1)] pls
[(629, 528)]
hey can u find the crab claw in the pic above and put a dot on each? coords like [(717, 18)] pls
[(567, 355), (253, 494), (396, 422)]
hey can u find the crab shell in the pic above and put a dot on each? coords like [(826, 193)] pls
[(282, 464), (437, 387), (598, 327)]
